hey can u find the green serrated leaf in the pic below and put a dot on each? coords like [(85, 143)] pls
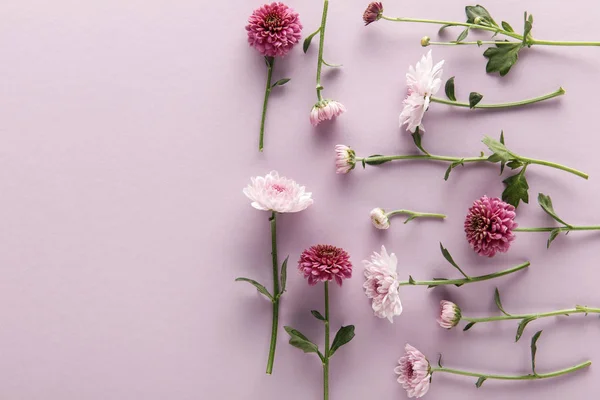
[(317, 315), (448, 258), (501, 152), (499, 302), (516, 189), (480, 381), (553, 234), (546, 203), (502, 57), (343, 336), (308, 39), (469, 326), (534, 340), (463, 35), (450, 89), (283, 278), (474, 99), (506, 26), (261, 289), (479, 11), (417, 139), (522, 326), (298, 340), (375, 162)]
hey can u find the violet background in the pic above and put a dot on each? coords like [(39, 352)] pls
[(129, 129)]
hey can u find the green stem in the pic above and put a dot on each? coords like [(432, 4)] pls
[(478, 43), (577, 310), (270, 62), (321, 45), (326, 361), (414, 214), (276, 293), (560, 228), (515, 377), (562, 43), (466, 280), (559, 92), (554, 165)]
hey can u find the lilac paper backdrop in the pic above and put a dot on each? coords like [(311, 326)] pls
[(129, 129)]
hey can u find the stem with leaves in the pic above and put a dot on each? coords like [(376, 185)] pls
[(475, 98), (414, 215), (270, 61)]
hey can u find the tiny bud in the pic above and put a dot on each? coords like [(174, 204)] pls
[(379, 218), (450, 315), (425, 41), (478, 20), (373, 13)]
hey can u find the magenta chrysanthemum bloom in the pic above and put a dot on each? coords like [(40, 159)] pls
[(450, 314), (489, 225), (274, 29), (414, 372), (325, 110), (323, 263), (373, 12)]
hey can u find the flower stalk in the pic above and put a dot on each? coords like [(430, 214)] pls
[(321, 47), (276, 290), (414, 214), (270, 61), (527, 377), (538, 99), (566, 312), (327, 348)]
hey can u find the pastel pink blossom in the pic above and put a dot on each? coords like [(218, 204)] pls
[(326, 110), (414, 372), (373, 12), (379, 218), (273, 29), (345, 159), (489, 226), (450, 315), (413, 112), (279, 194), (325, 262), (381, 285)]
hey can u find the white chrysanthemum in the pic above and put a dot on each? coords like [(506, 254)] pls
[(379, 218), (279, 194), (423, 81), (382, 284)]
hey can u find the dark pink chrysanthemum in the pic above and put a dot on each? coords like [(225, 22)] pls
[(489, 226), (373, 12), (324, 262), (274, 29)]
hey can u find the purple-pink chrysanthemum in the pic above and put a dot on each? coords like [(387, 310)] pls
[(273, 29), (373, 12), (489, 226), (325, 110), (325, 262), (450, 314), (414, 372)]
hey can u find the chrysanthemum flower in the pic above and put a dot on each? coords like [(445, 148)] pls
[(323, 262), (489, 226), (379, 218), (423, 81), (326, 110), (450, 314), (273, 29), (345, 159), (414, 372), (373, 12), (279, 194), (382, 284)]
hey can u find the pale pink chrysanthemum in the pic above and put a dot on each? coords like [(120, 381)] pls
[(325, 262), (379, 218), (413, 112), (450, 314), (325, 110), (345, 159), (373, 12), (273, 29), (279, 194), (489, 226), (414, 372), (382, 284)]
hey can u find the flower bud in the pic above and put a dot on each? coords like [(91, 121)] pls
[(478, 20), (379, 218), (425, 41), (373, 12), (450, 315)]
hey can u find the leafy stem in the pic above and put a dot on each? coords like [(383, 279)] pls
[(460, 282), (276, 291), (270, 61), (538, 99), (567, 312), (414, 214), (326, 360), (321, 46)]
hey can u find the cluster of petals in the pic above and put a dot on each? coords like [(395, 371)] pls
[(423, 81), (345, 159), (379, 218), (414, 372), (273, 29), (489, 226), (373, 12), (277, 193), (450, 315), (381, 285), (323, 262), (326, 110)]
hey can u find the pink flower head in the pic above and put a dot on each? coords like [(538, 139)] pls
[(323, 263), (345, 159), (450, 314), (414, 372), (489, 226), (279, 194), (373, 12), (274, 29), (325, 110), (382, 284)]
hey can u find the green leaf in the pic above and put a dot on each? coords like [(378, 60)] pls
[(281, 82), (498, 302), (300, 341), (500, 151), (527, 29), (411, 281), (502, 57), (343, 336), (479, 11), (546, 203), (450, 89), (308, 39), (452, 166), (269, 61), (503, 163), (534, 340), (375, 162), (516, 189), (417, 139), (261, 289), (553, 234), (317, 315), (283, 277), (448, 258), (506, 26), (522, 326), (440, 361), (469, 326), (332, 65), (514, 164), (474, 99), (480, 381), (463, 35)]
